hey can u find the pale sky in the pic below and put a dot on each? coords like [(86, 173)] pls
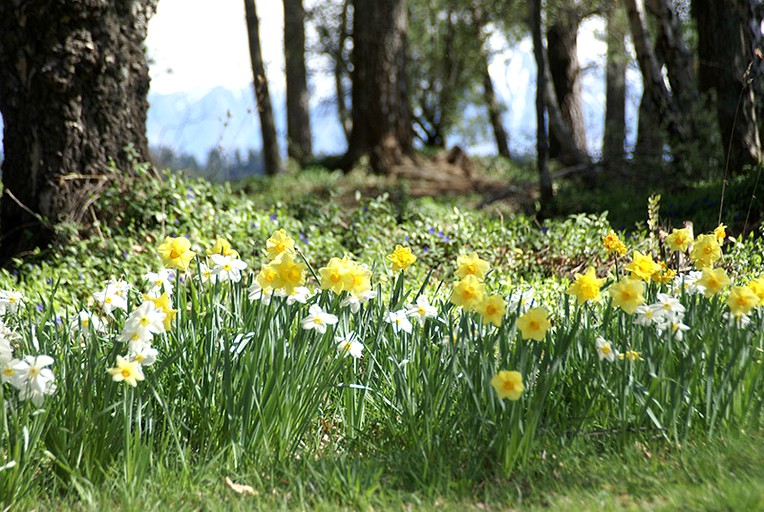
[(196, 45)]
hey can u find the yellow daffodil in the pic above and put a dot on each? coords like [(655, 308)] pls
[(266, 277), (742, 300), (642, 266), (613, 244), (705, 251), (713, 281), (279, 243), (332, 276), (222, 247), (401, 258), (586, 286), (720, 232), (176, 253), (492, 309), (508, 384), (627, 294), (468, 292), (357, 279), (679, 240), (163, 302), (631, 355), (534, 324), (290, 273), (757, 287), (471, 264)]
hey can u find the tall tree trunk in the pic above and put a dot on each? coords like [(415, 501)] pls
[(724, 53), (297, 99), (489, 95), (615, 90), (570, 153), (652, 78), (562, 52), (675, 54), (650, 133), (73, 86), (542, 144), (340, 71), (494, 111), (264, 108), (381, 113)]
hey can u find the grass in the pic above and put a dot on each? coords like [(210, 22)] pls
[(701, 476)]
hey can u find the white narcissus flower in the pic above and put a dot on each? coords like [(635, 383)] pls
[(671, 306), (110, 298), (160, 282), (520, 301), (318, 319), (143, 323), (605, 349), (649, 315), (354, 301), (675, 327), (142, 353), (86, 320), (10, 301), (206, 275), (301, 294), (6, 351), (256, 292), (399, 321), (688, 282), (421, 310), (32, 378), (349, 345), (227, 268)]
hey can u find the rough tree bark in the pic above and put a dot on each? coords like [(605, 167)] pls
[(381, 114), (264, 108), (542, 144), (562, 53), (73, 86), (297, 100), (725, 56), (615, 89)]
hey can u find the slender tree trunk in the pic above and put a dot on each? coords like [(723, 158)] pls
[(297, 99), (267, 125), (340, 71), (489, 95), (615, 90), (542, 144), (724, 53), (652, 78), (494, 111), (562, 52), (73, 86), (381, 113)]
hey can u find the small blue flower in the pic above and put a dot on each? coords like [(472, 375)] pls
[(274, 216)]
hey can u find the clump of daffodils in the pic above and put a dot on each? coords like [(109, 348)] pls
[(469, 291)]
